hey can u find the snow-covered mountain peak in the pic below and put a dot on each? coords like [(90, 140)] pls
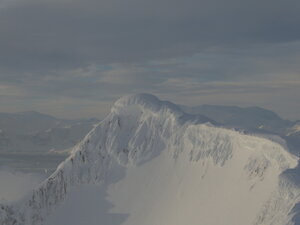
[(140, 103), (147, 102), (156, 164)]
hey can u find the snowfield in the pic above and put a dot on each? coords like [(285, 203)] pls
[(149, 163)]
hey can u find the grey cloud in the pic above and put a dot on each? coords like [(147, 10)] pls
[(44, 35), (59, 54), (107, 82)]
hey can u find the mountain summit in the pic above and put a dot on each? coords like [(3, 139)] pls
[(148, 162)]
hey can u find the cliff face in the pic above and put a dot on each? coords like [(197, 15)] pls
[(145, 139)]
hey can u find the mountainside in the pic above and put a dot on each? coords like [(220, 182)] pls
[(149, 163)]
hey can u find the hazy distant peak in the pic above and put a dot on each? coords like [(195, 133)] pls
[(237, 109), (250, 118)]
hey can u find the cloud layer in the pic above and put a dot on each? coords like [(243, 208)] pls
[(57, 56)]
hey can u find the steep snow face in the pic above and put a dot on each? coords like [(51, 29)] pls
[(150, 163)]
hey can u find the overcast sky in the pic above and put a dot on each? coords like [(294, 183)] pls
[(73, 58)]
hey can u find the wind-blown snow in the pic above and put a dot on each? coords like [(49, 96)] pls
[(149, 163)]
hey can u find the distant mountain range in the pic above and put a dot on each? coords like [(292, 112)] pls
[(36, 132)]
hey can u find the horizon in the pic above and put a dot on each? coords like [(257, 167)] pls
[(100, 117)]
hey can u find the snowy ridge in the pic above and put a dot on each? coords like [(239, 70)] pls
[(140, 130)]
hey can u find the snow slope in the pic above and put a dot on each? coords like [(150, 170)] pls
[(252, 119), (149, 163)]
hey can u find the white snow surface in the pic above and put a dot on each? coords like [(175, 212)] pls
[(149, 163)]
